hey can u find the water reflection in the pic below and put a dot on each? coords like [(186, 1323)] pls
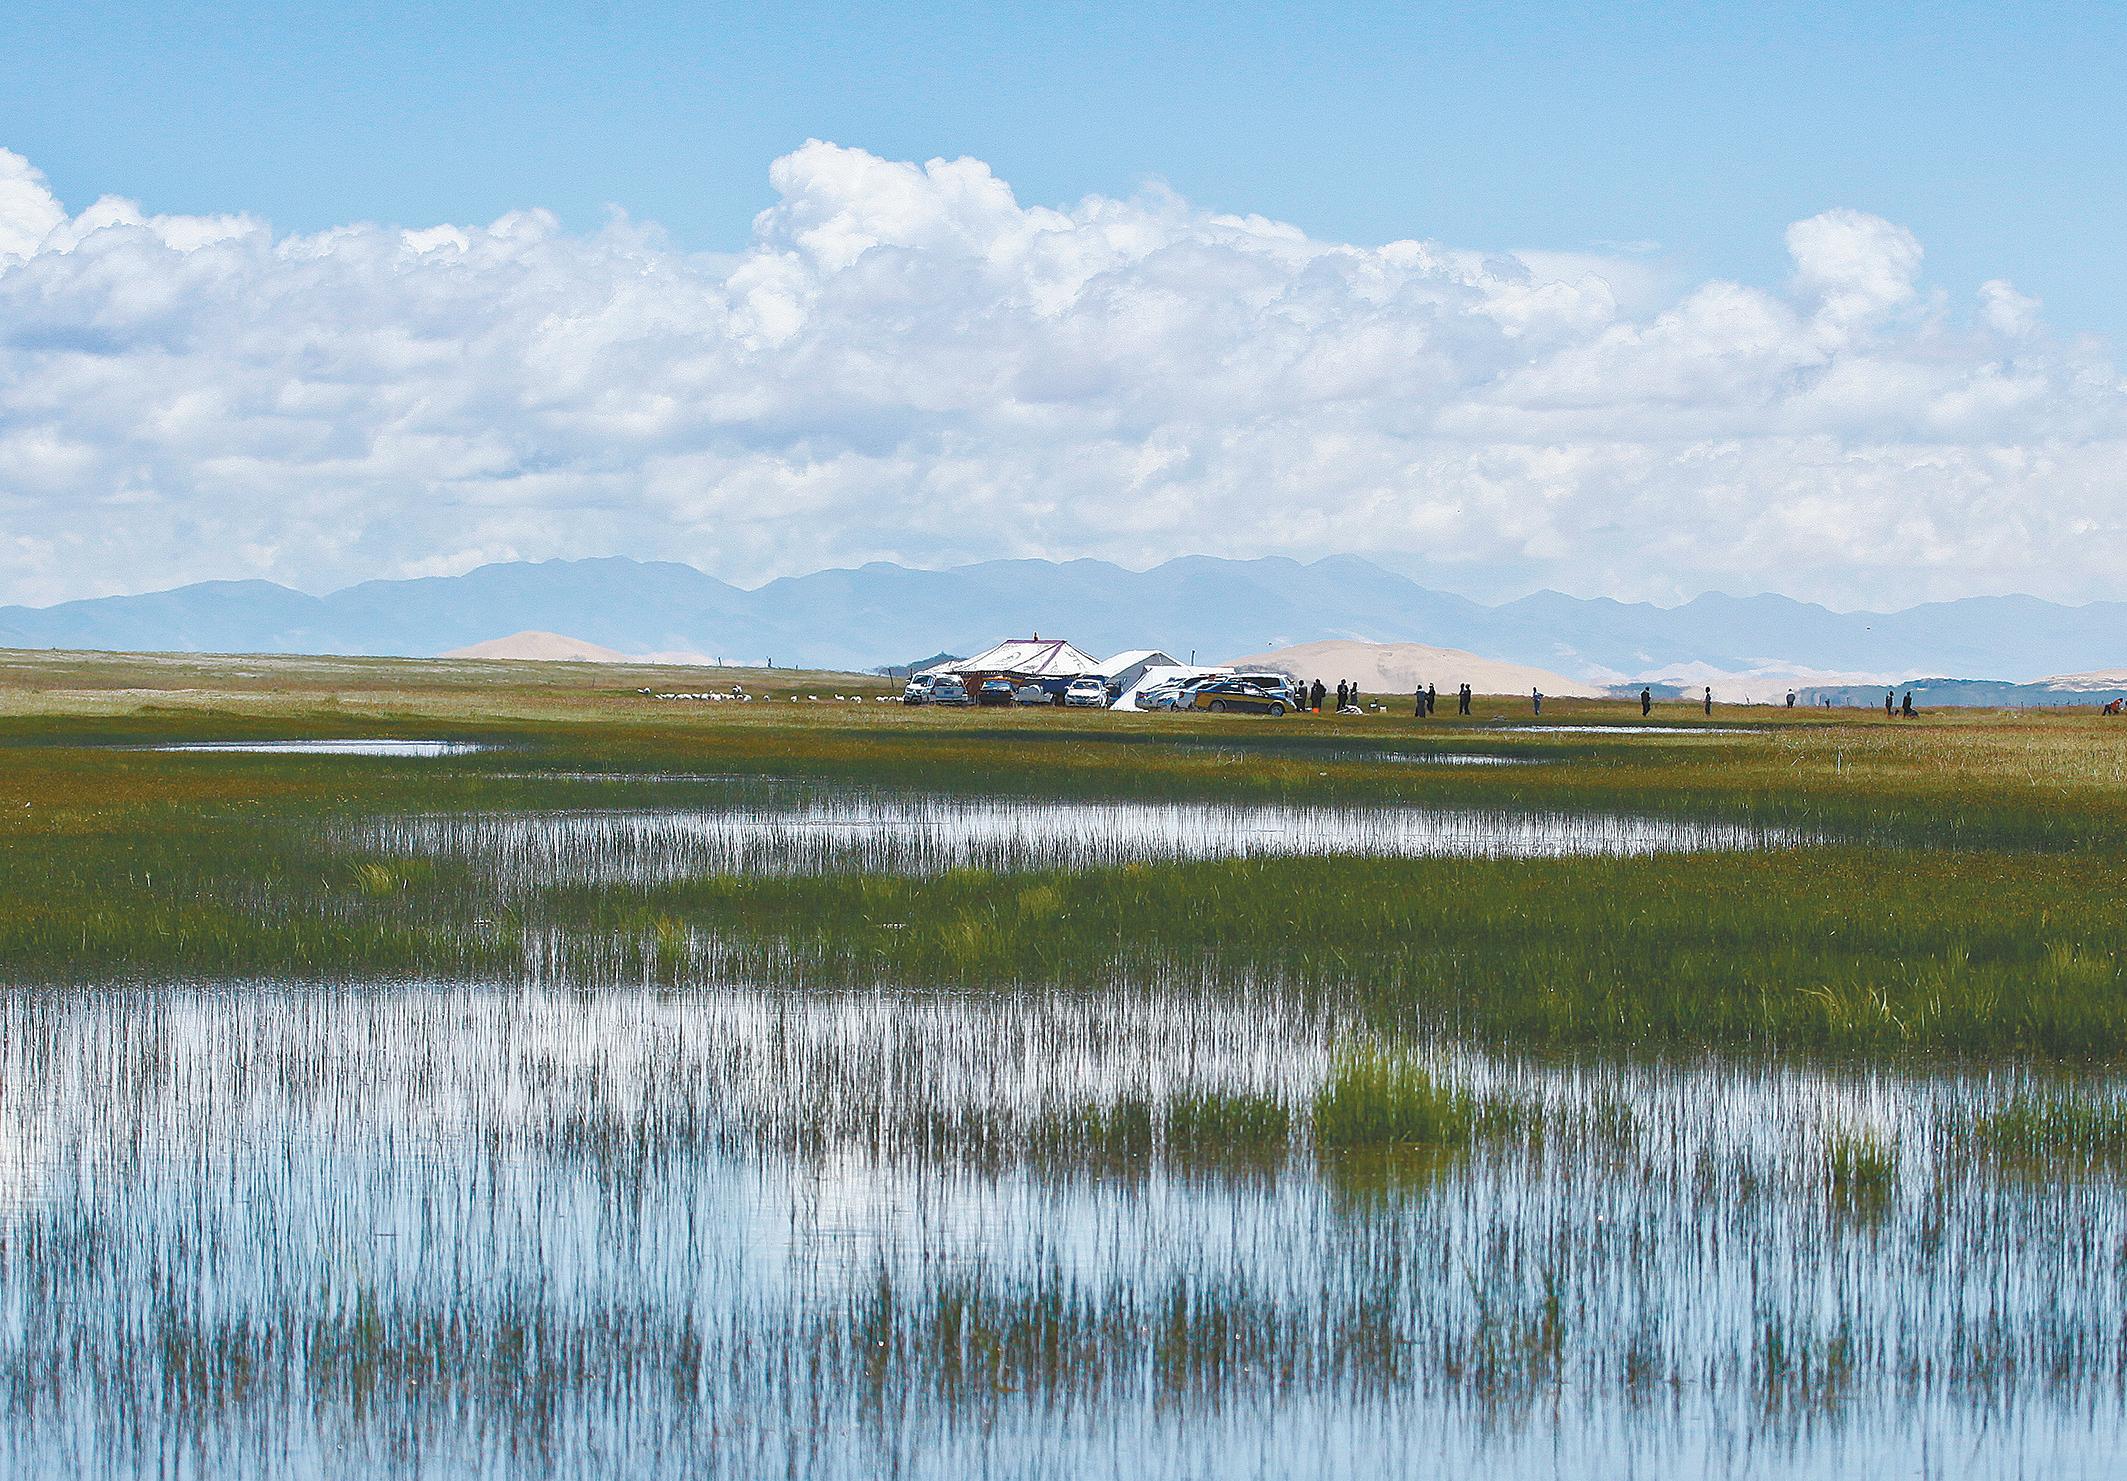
[(374, 747), (921, 835), (463, 1231), (1629, 729)]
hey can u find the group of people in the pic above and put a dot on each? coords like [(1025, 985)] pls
[(1311, 696), (1425, 700)]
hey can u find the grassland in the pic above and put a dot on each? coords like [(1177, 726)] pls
[(989, 1167), (1965, 893)]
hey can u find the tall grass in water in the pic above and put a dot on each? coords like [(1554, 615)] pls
[(1823, 950), (1377, 1099), (1198, 1129), (1860, 1169), (2061, 1128), (565, 1225)]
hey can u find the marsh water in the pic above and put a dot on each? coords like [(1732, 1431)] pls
[(1629, 729), (574, 1222), (352, 747), (592, 1229), (798, 832)]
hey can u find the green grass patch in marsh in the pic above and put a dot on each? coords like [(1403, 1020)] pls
[(1382, 1098), (1195, 1129), (1824, 950), (1211, 1124), (2055, 1128), (1860, 1168), (1377, 1099), (1972, 901)]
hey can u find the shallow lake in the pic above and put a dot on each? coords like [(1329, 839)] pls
[(900, 834), (588, 1230), (378, 747), (1629, 729)]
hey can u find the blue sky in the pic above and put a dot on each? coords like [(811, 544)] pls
[(1641, 301), (1993, 132)]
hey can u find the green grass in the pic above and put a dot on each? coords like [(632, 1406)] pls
[(1973, 903), (1376, 1099), (1202, 1129), (1821, 949), (1860, 1169), (1215, 1126), (2060, 1126)]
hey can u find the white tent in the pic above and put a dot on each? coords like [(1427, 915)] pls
[(1024, 658), (1125, 669)]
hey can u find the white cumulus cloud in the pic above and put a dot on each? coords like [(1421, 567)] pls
[(905, 362)]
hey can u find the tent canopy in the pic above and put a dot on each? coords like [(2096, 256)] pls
[(1031, 658), (1136, 658)]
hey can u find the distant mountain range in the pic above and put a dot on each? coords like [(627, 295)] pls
[(881, 613)]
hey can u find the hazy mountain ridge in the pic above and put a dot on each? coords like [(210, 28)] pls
[(863, 616)]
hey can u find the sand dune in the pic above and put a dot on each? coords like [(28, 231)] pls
[(1398, 668), (544, 647)]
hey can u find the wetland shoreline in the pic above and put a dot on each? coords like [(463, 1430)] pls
[(1010, 1114)]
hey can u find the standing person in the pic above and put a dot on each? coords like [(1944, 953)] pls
[(1317, 693), (1536, 700), (1709, 701), (1907, 709), (1646, 703), (1468, 694), (1886, 704), (1340, 696), (1418, 703), (1432, 699), (1790, 699)]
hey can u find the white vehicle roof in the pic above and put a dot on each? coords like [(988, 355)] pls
[(1162, 675)]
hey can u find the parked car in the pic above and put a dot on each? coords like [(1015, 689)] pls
[(950, 689), (1283, 685), (1089, 692), (995, 692), (1166, 696), (919, 689), (1030, 694), (1222, 695)]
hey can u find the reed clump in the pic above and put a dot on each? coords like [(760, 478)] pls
[(2060, 1126), (1214, 1126), (1860, 1169), (1376, 1099), (1201, 1128)]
